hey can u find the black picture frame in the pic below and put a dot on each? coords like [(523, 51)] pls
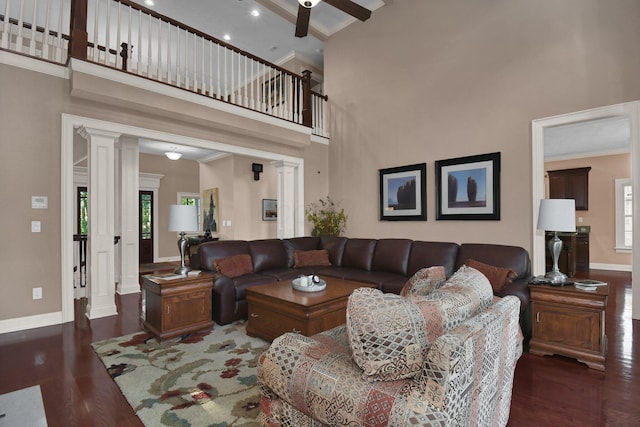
[(408, 183), (468, 188), (269, 210)]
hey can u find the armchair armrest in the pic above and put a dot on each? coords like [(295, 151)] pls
[(472, 365)]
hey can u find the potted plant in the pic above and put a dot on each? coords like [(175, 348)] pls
[(327, 218)]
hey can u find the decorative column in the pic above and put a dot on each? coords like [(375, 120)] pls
[(100, 262), (127, 221), (290, 200)]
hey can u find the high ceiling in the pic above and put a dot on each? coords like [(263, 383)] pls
[(269, 36)]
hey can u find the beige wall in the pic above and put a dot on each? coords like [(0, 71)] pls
[(601, 214), (31, 166), (180, 176), (428, 80)]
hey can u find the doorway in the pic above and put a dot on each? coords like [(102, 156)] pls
[(145, 218), (630, 110)]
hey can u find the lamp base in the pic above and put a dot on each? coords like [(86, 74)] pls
[(556, 277), (182, 270)]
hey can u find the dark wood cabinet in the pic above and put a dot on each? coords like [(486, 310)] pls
[(575, 252), (570, 184), (569, 322), (176, 307)]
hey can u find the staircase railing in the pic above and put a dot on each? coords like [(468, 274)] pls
[(131, 38)]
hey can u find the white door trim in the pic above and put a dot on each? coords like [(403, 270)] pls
[(72, 122), (630, 110)]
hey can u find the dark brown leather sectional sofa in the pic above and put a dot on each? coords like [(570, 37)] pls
[(387, 263)]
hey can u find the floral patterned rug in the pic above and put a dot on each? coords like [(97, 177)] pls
[(200, 379)]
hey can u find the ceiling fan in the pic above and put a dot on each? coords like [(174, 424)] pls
[(347, 6)]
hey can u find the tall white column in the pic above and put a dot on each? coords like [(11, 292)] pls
[(288, 198), (127, 221), (100, 262)]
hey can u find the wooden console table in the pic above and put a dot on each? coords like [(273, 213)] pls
[(569, 322), (175, 307)]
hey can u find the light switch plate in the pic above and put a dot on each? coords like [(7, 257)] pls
[(35, 226)]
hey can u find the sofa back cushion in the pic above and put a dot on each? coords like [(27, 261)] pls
[(299, 244), (358, 253), (268, 255), (390, 335), (335, 246), (392, 255), (511, 257), (210, 251), (428, 254)]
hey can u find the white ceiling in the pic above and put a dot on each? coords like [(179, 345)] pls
[(587, 139), (269, 36)]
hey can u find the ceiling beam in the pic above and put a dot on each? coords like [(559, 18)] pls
[(292, 17)]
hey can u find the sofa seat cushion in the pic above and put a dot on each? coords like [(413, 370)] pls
[(390, 335), (498, 277), (318, 257), (234, 265), (248, 280), (374, 277)]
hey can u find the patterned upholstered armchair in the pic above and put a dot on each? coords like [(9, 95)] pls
[(464, 379)]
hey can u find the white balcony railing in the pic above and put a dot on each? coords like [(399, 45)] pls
[(126, 36)]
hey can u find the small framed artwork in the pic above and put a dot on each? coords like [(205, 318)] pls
[(403, 193), (269, 210), (468, 188)]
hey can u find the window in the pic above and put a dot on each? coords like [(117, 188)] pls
[(83, 217), (191, 199), (624, 215)]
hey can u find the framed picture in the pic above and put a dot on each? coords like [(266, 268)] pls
[(468, 188), (403, 193), (209, 206), (269, 210)]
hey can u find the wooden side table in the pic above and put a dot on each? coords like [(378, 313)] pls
[(176, 307), (569, 322)]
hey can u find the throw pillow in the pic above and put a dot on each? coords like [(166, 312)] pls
[(390, 335), (424, 281), (318, 257), (235, 265), (498, 277)]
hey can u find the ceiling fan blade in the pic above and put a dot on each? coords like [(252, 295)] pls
[(302, 23), (353, 9)]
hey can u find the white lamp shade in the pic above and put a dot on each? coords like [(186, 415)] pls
[(183, 218), (557, 215)]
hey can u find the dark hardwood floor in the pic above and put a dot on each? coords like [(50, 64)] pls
[(548, 391)]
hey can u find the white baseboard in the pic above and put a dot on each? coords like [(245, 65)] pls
[(614, 267), (30, 322)]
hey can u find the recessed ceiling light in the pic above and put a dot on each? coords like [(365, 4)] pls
[(148, 2), (255, 12), (227, 37)]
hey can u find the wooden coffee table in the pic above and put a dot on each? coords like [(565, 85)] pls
[(277, 308)]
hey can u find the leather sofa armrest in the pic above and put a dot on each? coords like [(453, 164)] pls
[(223, 299)]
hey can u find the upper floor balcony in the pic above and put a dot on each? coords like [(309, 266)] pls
[(132, 39)]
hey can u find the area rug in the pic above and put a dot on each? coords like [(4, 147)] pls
[(200, 379), (23, 407)]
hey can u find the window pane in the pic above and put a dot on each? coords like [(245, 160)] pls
[(84, 214), (145, 210), (628, 239)]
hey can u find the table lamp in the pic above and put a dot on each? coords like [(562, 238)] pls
[(183, 218), (557, 215)]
